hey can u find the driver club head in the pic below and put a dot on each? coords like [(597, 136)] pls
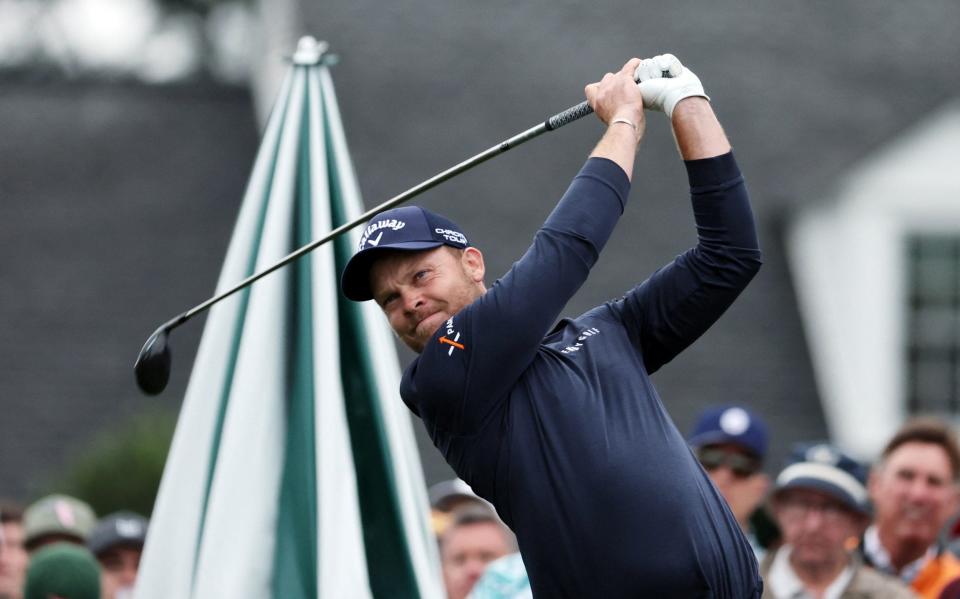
[(152, 367)]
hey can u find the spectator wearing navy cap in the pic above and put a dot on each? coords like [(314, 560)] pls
[(731, 444), (820, 503), (117, 542)]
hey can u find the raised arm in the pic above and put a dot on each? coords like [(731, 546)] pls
[(617, 102), (681, 301), (530, 297), (697, 130)]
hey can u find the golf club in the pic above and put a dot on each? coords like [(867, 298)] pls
[(152, 368)]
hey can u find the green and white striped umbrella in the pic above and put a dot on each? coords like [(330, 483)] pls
[(293, 470)]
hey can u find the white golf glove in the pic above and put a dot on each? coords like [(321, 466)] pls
[(664, 81)]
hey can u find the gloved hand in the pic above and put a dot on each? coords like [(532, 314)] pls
[(664, 82)]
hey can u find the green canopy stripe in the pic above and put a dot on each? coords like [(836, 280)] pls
[(295, 554)]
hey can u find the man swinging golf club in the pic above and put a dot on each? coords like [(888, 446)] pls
[(561, 429)]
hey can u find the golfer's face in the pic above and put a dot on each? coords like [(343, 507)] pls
[(419, 291)]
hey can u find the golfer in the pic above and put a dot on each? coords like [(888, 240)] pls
[(560, 428)]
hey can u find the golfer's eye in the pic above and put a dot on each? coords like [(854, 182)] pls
[(420, 275), (388, 300)]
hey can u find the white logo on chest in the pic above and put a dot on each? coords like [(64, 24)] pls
[(584, 335)]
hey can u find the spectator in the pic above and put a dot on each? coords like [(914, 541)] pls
[(474, 538), (731, 444), (13, 556), (57, 518), (914, 492), (820, 502), (449, 496), (62, 570), (117, 543), (504, 578)]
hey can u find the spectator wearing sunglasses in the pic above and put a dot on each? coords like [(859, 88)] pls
[(731, 444), (820, 503)]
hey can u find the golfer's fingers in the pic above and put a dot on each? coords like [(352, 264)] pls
[(630, 67), (590, 91)]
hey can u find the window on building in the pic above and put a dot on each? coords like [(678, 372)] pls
[(933, 324)]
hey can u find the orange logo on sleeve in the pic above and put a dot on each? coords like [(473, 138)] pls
[(452, 342)]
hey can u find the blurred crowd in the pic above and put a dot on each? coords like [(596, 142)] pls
[(56, 547), (825, 526)]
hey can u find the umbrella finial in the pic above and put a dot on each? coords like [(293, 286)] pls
[(309, 51)]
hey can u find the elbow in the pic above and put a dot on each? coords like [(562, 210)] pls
[(747, 263), (753, 262), (731, 267)]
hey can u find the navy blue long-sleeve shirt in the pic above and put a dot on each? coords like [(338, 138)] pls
[(562, 429)]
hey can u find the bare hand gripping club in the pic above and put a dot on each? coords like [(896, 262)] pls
[(152, 367)]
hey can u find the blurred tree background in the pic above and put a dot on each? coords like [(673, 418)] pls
[(121, 467)]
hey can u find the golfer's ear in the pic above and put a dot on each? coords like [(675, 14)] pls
[(472, 260)]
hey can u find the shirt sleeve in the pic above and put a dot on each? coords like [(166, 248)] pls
[(497, 337), (679, 302)]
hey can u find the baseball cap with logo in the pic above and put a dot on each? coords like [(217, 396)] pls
[(735, 425), (59, 515), (118, 529), (410, 228), (825, 468)]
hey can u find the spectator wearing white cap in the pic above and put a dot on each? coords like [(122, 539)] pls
[(731, 444), (820, 503), (448, 496), (117, 543), (474, 538)]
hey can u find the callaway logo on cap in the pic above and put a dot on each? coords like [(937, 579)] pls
[(410, 228), (373, 227)]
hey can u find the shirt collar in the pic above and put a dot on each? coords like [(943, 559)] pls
[(880, 558), (785, 583)]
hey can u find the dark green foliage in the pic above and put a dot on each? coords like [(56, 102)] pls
[(120, 468)]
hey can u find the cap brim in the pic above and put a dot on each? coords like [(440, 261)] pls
[(355, 282), (826, 488), (36, 538), (720, 438), (99, 546)]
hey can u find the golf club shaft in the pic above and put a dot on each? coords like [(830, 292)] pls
[(554, 122)]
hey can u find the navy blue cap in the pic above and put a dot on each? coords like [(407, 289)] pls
[(410, 228), (119, 528), (735, 425), (825, 468)]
